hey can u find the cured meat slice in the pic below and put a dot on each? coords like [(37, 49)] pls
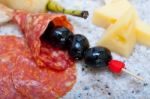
[(20, 77), (7, 89), (27, 75), (12, 45), (33, 26), (7, 59), (41, 83), (55, 57)]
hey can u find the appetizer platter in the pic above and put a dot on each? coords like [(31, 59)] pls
[(51, 49)]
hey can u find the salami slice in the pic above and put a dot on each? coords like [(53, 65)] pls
[(33, 26), (7, 89), (20, 77), (41, 83), (7, 58)]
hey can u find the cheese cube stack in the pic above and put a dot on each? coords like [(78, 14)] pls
[(120, 37), (108, 15)]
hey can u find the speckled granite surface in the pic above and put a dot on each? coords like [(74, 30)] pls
[(101, 84)]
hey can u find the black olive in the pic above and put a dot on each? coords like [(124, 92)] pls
[(47, 31), (77, 44), (97, 57), (58, 36)]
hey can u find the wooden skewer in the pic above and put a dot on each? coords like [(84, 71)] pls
[(130, 73)]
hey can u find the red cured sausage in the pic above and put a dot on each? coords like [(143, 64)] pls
[(7, 58), (33, 26), (20, 77), (41, 83), (7, 90), (24, 63)]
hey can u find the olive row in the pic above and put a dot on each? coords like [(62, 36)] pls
[(78, 47)]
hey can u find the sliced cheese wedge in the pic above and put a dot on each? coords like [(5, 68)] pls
[(108, 14), (120, 37), (142, 31)]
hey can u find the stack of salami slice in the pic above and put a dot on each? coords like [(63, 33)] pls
[(29, 67)]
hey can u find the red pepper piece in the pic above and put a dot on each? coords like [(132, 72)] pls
[(116, 66)]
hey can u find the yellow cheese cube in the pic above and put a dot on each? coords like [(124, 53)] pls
[(142, 30), (120, 37), (109, 13)]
